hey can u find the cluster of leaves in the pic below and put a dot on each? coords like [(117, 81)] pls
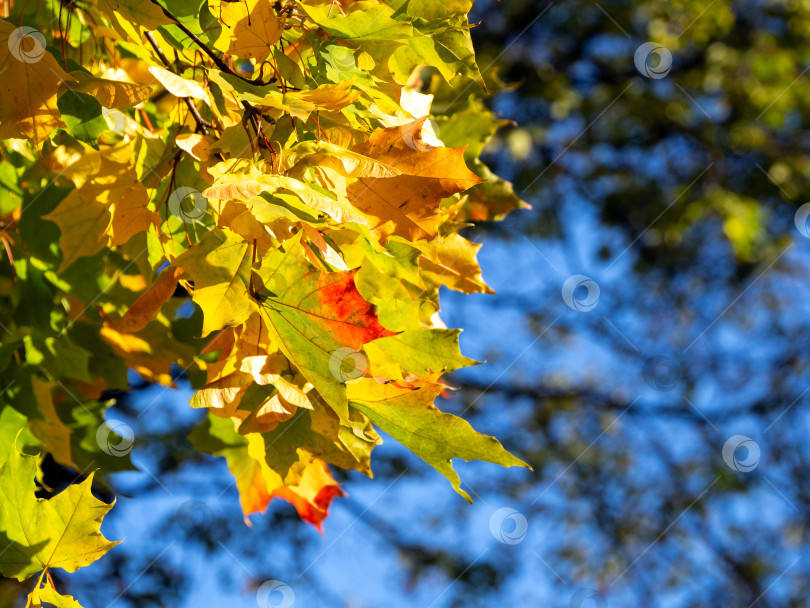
[(249, 194)]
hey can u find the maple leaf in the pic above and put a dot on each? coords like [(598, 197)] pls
[(365, 21), (312, 496), (409, 416), (196, 145), (319, 431), (313, 314), (83, 223), (306, 483), (330, 97), (257, 386), (266, 370), (130, 216), (323, 154), (51, 431), (298, 104), (42, 597), (390, 279), (443, 44), (62, 532), (176, 85), (28, 88), (407, 205), (221, 393), (14, 433), (248, 187), (108, 206), (219, 265), (135, 12), (111, 94), (453, 263), (420, 351), (251, 30), (475, 126), (146, 307)]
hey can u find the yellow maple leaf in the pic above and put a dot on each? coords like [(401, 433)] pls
[(84, 224), (312, 496), (326, 98), (267, 370), (148, 304), (220, 265), (248, 186), (128, 16), (407, 205), (177, 85), (308, 485), (50, 597), (197, 146), (453, 263), (130, 215), (29, 81), (112, 94), (330, 97), (252, 28), (108, 207)]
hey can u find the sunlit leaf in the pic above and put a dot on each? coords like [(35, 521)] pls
[(62, 532), (313, 314), (410, 417), (219, 265), (28, 88)]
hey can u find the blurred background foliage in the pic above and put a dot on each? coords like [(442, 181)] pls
[(677, 196)]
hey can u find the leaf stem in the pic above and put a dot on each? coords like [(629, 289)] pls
[(36, 587)]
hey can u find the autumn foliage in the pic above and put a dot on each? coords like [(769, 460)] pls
[(248, 195)]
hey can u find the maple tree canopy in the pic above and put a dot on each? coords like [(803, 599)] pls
[(251, 195)]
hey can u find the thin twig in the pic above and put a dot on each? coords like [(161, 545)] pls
[(207, 50), (202, 125)]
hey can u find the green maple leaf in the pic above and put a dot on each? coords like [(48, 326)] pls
[(319, 432), (82, 115), (313, 315), (366, 21), (444, 45), (410, 417), (62, 532), (422, 351)]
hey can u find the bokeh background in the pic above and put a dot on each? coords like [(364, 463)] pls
[(672, 180)]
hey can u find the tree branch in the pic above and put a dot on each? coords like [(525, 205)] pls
[(218, 61), (202, 124)]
